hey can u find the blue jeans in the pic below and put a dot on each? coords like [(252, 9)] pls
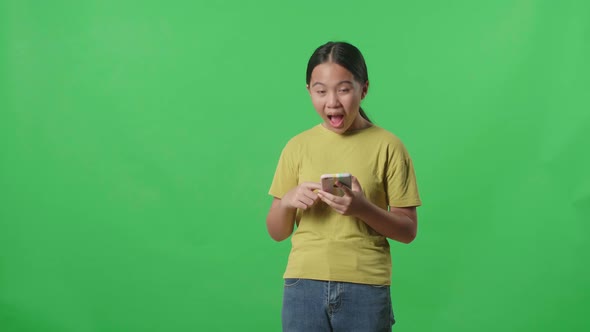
[(313, 305)]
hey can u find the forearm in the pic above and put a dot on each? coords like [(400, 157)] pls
[(280, 221), (395, 225)]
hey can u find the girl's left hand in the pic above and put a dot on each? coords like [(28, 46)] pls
[(350, 204)]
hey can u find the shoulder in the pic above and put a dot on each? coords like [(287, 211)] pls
[(389, 144), (388, 138), (303, 137), (299, 141)]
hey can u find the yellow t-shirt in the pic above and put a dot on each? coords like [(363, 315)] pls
[(327, 245)]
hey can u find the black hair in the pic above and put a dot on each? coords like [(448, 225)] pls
[(345, 55)]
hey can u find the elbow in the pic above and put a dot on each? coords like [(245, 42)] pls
[(409, 237), (276, 233), (277, 237), (411, 233), (412, 236), (404, 226)]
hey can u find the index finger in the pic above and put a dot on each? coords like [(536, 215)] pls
[(312, 185)]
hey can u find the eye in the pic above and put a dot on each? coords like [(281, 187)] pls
[(344, 90), (321, 92)]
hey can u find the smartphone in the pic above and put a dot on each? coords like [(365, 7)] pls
[(328, 182)]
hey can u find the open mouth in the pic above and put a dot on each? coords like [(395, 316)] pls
[(336, 120)]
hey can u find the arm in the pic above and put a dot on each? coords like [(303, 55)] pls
[(281, 216), (280, 221), (399, 224)]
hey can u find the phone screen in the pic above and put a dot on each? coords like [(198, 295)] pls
[(329, 183)]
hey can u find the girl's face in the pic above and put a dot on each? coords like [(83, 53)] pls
[(336, 96)]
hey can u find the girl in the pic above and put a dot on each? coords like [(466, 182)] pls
[(339, 269)]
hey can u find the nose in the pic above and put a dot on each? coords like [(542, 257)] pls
[(332, 101)]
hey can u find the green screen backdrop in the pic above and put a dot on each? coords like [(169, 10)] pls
[(138, 141)]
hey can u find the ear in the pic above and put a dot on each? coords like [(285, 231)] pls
[(307, 87), (365, 90)]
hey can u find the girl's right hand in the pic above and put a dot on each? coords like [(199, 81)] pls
[(301, 197)]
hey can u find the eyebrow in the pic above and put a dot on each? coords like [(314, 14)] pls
[(341, 82)]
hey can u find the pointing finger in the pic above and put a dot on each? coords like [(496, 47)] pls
[(326, 195), (312, 185)]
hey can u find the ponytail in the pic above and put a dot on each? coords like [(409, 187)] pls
[(364, 115)]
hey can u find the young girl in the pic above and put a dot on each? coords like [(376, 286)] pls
[(339, 268)]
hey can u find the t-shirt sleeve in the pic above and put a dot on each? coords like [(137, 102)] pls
[(286, 174), (402, 187)]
